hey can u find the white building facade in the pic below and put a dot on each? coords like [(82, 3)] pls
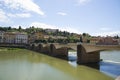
[(1, 36), (21, 38), (13, 37)]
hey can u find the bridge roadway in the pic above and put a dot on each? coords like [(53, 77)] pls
[(88, 47), (86, 53)]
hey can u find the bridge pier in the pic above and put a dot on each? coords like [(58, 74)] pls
[(32, 47), (39, 47), (85, 54), (60, 52), (44, 49), (87, 57)]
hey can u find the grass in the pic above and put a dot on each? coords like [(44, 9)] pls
[(8, 49)]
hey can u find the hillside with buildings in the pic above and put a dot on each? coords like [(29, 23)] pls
[(39, 35)]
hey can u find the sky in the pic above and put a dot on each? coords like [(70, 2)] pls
[(96, 17)]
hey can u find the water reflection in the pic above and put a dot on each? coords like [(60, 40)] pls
[(109, 65), (111, 62), (93, 65), (109, 68), (34, 66)]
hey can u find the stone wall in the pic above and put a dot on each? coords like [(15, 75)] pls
[(85, 57), (82, 55), (50, 49), (60, 52)]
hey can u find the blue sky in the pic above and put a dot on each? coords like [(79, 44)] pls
[(96, 17)]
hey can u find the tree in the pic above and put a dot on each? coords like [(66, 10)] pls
[(116, 37), (84, 34), (33, 27), (9, 28), (81, 40), (19, 28), (50, 40), (88, 41)]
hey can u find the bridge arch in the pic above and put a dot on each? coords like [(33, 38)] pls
[(61, 52), (32, 46), (85, 53), (40, 47), (87, 57)]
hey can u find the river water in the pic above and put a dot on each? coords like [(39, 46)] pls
[(110, 64), (28, 65)]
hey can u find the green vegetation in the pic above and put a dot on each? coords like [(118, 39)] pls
[(64, 36), (8, 49), (71, 50), (67, 36)]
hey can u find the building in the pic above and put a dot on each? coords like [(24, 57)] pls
[(9, 37), (1, 36), (51, 30), (35, 36), (119, 41), (21, 38), (46, 37), (94, 40), (107, 41), (15, 38)]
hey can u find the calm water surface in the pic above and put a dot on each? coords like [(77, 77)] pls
[(27, 65)]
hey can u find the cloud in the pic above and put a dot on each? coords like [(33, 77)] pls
[(62, 28), (62, 13), (69, 29), (43, 25), (21, 15), (23, 5), (105, 29), (82, 2), (3, 17)]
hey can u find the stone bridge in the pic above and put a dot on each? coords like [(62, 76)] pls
[(85, 53)]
